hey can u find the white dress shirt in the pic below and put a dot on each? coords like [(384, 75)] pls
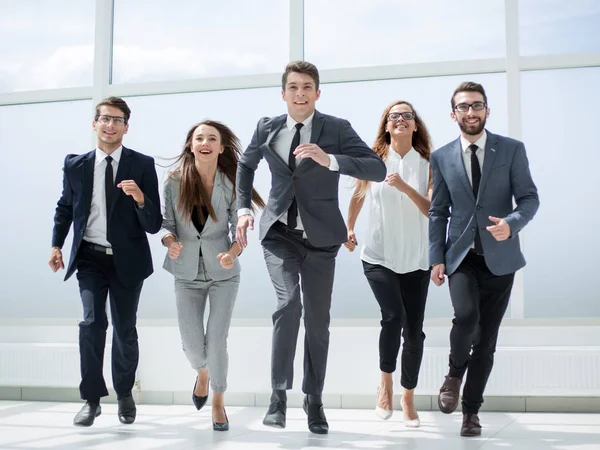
[(398, 236), (95, 231), (282, 143), (480, 143)]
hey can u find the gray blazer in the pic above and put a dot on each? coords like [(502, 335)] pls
[(315, 186), (214, 239), (505, 175)]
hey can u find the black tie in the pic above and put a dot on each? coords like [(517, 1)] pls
[(108, 190), (476, 178), (293, 211)]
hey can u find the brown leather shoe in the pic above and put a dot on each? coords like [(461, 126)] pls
[(449, 394), (470, 425)]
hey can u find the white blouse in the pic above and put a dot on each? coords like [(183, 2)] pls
[(398, 236)]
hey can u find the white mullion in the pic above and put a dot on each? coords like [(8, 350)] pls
[(296, 30), (513, 98)]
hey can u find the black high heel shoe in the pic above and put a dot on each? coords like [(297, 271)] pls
[(199, 402), (222, 426)]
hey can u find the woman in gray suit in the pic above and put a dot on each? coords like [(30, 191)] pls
[(200, 215)]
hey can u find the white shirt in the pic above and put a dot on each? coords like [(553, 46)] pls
[(480, 143), (398, 236), (95, 231), (282, 143)]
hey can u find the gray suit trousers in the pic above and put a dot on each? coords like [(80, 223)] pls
[(206, 349), (291, 258)]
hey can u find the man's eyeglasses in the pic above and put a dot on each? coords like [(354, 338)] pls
[(407, 115), (105, 120), (464, 107)]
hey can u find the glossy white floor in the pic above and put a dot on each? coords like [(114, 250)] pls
[(38, 425)]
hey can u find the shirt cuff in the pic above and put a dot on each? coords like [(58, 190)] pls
[(244, 211), (333, 164)]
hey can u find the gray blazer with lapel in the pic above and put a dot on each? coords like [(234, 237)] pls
[(505, 176), (214, 239), (315, 186)]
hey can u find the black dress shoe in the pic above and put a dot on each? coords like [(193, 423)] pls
[(470, 425), (317, 423), (199, 402), (86, 416), (222, 426), (275, 416), (127, 410)]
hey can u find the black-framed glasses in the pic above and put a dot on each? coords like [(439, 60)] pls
[(105, 120), (406, 115), (464, 107)]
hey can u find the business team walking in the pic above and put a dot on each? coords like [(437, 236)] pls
[(432, 214)]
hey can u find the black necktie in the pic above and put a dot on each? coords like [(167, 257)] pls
[(108, 189), (292, 220), (476, 179)]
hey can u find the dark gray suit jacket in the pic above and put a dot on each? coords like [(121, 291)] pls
[(315, 186), (505, 175)]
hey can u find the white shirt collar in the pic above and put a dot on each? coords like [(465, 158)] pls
[(291, 123), (101, 156), (479, 142)]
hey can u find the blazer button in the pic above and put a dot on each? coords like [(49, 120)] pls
[(473, 230), (478, 208), (198, 237)]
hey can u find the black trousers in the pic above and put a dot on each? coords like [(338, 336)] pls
[(402, 298), (97, 280), (480, 299)]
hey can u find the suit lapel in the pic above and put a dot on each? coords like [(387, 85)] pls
[(459, 163), (215, 198), (276, 127), (488, 159), (122, 173), (88, 180)]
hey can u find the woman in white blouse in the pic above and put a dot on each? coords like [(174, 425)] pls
[(394, 255)]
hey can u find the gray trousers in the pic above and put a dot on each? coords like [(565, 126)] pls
[(290, 257), (206, 349)]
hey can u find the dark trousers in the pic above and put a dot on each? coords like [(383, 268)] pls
[(97, 279), (480, 299), (291, 258), (402, 298)]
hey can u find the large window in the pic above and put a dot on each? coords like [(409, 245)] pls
[(550, 27), (46, 44), (159, 40), (371, 33), (561, 244)]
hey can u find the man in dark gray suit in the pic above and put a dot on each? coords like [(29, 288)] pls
[(475, 179), (302, 228)]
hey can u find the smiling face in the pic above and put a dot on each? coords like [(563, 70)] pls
[(206, 144), (110, 128), (300, 94), (470, 122), (398, 126)]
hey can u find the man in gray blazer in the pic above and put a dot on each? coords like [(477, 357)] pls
[(474, 239), (302, 228)]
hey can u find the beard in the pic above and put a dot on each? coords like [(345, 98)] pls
[(472, 130)]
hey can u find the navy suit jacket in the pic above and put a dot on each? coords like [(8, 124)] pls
[(455, 213), (128, 224)]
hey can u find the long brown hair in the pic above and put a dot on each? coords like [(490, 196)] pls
[(191, 190), (421, 142)]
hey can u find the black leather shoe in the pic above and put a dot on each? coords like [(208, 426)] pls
[(222, 426), (275, 416), (317, 423), (199, 402), (470, 425), (127, 410), (86, 416)]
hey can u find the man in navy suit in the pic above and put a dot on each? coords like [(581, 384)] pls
[(474, 239), (111, 196)]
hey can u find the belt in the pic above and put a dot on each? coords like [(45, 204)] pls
[(476, 253), (99, 248), (285, 229)]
